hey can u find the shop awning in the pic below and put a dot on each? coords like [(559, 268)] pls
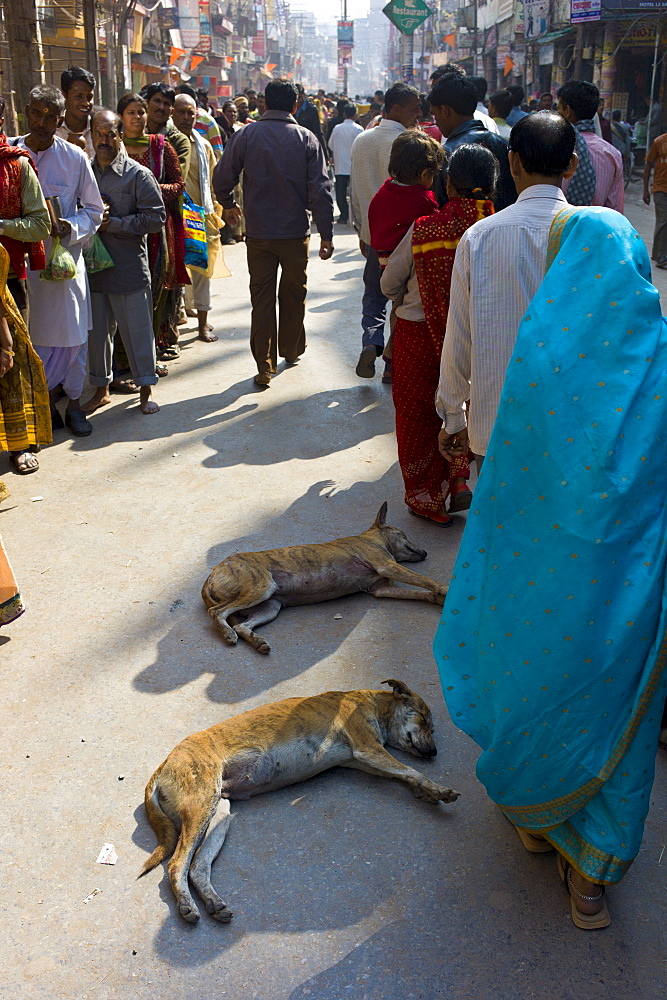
[(551, 36)]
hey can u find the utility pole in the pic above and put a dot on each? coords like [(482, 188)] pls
[(111, 35), (90, 32), (345, 67), (25, 46)]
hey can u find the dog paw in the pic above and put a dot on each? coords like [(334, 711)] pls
[(448, 795), (221, 912), (189, 913), (263, 647)]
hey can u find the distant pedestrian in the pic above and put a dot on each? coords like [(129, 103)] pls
[(657, 158), (340, 144), (481, 112), (284, 178), (516, 114), (500, 105)]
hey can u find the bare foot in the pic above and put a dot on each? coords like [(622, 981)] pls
[(100, 397), (589, 896), (206, 335), (147, 404)]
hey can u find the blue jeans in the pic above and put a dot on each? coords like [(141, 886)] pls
[(373, 303)]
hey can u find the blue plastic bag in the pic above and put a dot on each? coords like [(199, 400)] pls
[(194, 224)]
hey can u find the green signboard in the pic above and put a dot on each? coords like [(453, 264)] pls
[(407, 14)]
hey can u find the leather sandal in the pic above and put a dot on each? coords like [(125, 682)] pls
[(585, 921), (460, 498)]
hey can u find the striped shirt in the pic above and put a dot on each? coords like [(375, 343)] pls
[(207, 126), (608, 166), (499, 265)]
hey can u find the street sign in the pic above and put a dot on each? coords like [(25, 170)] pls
[(407, 15)]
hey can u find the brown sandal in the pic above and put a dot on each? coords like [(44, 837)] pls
[(585, 921)]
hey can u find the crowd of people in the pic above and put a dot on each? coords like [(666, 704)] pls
[(525, 336)]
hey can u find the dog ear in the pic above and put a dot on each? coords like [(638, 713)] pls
[(399, 688), (381, 519)]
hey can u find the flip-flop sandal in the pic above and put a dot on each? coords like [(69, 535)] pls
[(22, 471), (585, 921), (123, 387), (161, 371)]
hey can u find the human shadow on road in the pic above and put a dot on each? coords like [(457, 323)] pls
[(321, 424)]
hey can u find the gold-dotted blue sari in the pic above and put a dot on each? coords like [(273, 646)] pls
[(552, 644)]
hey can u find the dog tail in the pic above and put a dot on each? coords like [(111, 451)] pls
[(165, 830)]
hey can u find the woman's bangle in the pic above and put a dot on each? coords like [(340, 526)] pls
[(4, 350)]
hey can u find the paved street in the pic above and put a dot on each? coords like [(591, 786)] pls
[(344, 886)]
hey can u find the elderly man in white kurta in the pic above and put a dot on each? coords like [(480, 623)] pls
[(60, 314)]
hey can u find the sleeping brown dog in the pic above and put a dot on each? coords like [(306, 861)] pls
[(261, 583), (187, 799)]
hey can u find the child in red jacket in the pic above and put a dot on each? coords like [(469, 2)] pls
[(413, 165)]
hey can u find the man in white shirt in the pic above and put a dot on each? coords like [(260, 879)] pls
[(369, 171), (481, 112), (60, 314), (340, 144), (499, 265)]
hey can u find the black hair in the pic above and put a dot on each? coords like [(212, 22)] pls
[(473, 170), (350, 111), (280, 95), (582, 97), (502, 102), (399, 93), (185, 88), (457, 92), (159, 88), (615, 115), (481, 87), (426, 105), (73, 73), (380, 92), (413, 152), (127, 99), (375, 107), (544, 142), (518, 94)]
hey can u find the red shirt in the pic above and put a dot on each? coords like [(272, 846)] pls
[(393, 210)]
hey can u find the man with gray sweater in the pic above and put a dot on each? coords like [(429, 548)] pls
[(284, 179)]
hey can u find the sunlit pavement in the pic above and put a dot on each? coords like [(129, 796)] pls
[(344, 886)]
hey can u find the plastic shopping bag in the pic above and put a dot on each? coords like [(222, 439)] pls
[(60, 266), (196, 250), (96, 256)]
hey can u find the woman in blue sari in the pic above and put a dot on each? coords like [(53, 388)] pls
[(552, 646)]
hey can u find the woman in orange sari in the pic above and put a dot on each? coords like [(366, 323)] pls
[(420, 271)]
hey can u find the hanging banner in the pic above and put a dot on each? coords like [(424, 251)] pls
[(344, 57), (346, 33), (188, 15), (204, 26), (585, 10), (535, 18)]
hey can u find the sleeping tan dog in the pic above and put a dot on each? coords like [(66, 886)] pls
[(262, 583), (187, 799)]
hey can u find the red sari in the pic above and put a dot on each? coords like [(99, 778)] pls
[(416, 357)]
